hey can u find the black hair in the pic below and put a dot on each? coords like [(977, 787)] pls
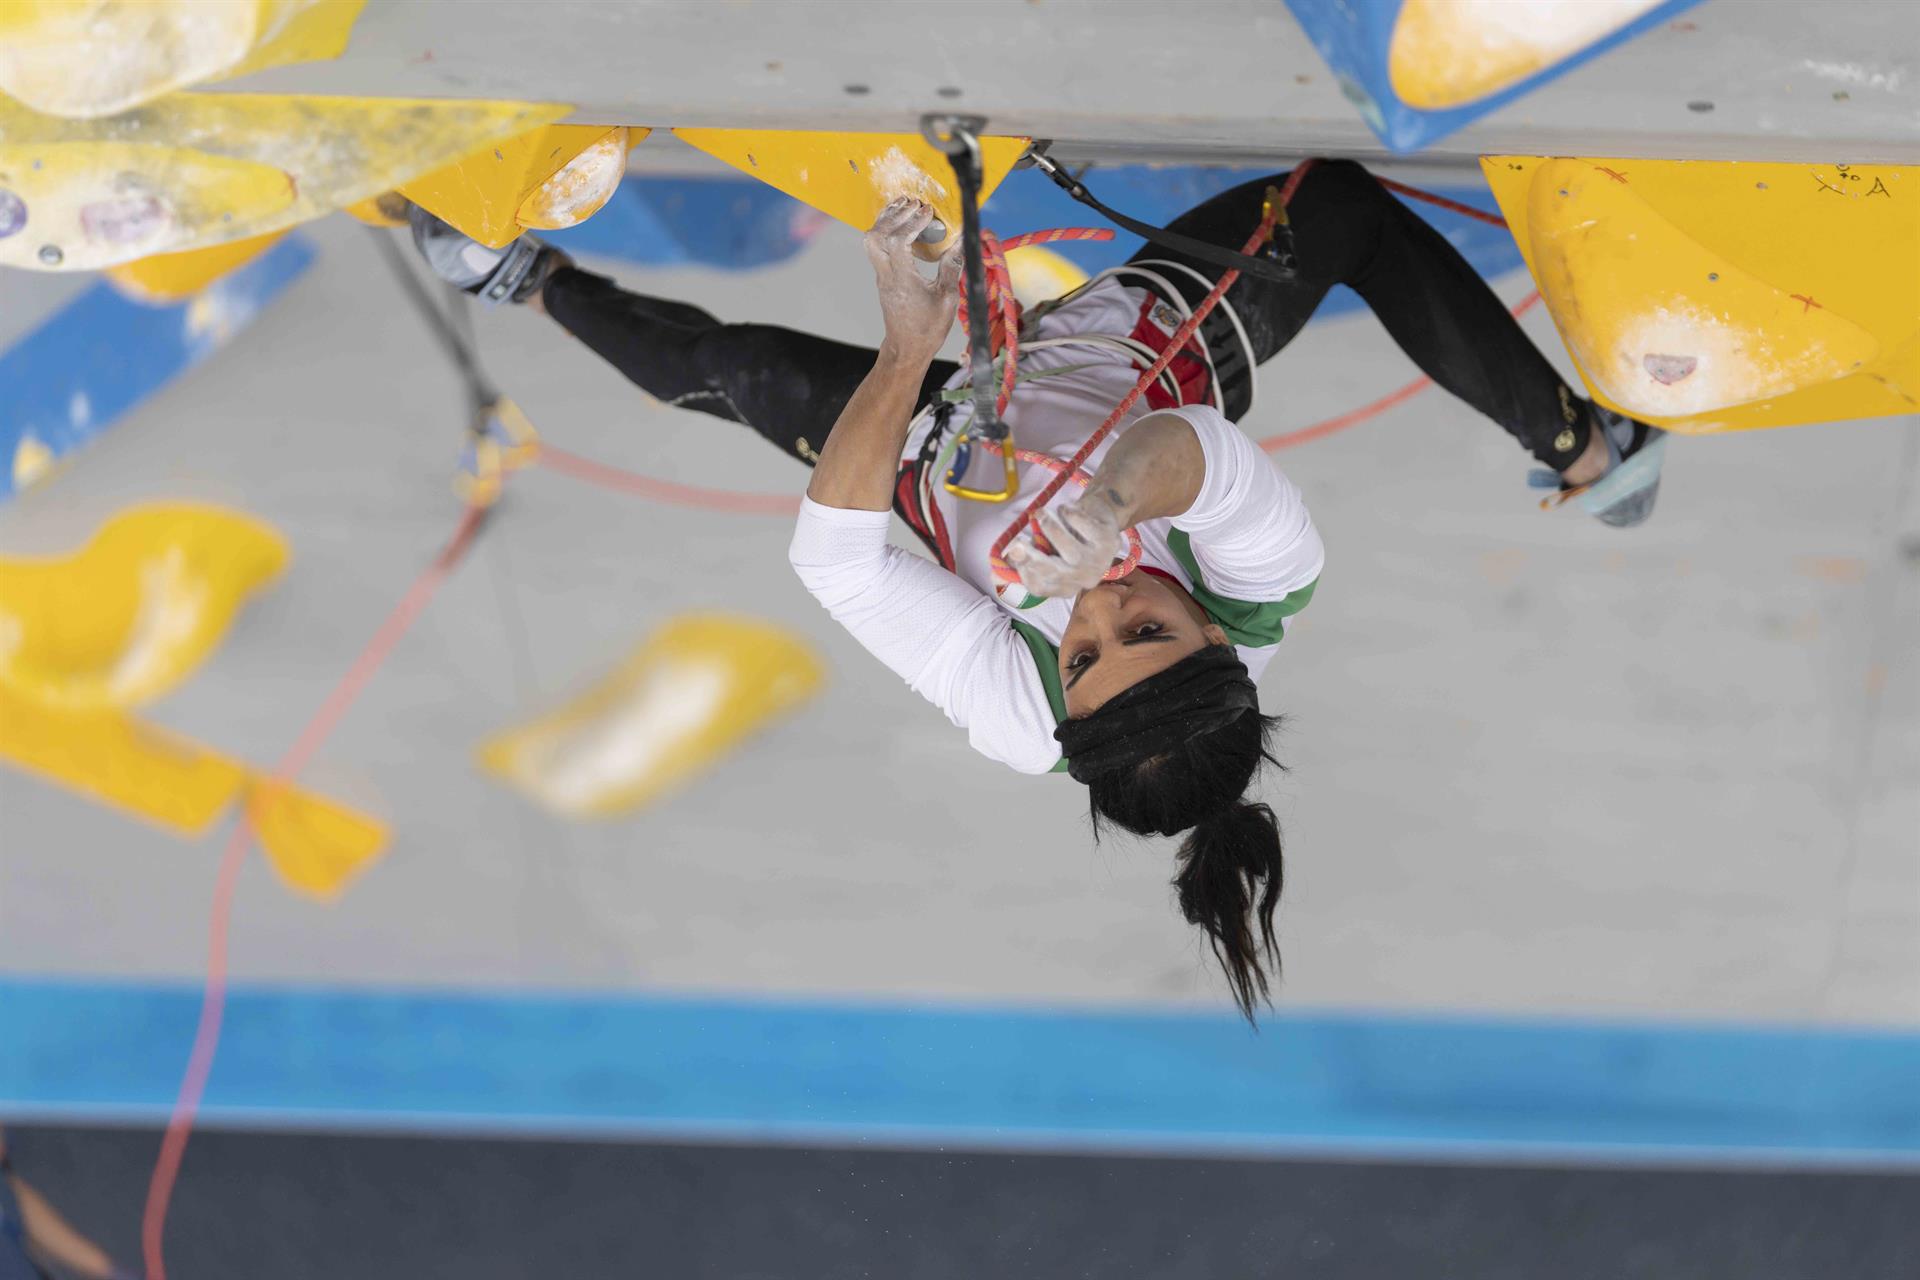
[(1230, 867)]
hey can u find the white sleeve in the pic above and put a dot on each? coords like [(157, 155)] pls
[(1249, 528), (953, 646)]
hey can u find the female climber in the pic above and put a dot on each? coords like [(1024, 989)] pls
[(1140, 685)]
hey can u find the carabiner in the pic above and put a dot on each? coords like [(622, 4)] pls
[(1010, 480)]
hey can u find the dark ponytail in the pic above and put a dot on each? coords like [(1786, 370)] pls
[(1230, 865)]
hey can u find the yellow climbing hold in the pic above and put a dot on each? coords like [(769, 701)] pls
[(169, 278), (314, 844), (1444, 53), (85, 58), (852, 176), (690, 694), (32, 463), (553, 176), (1040, 274), (135, 611), (86, 637), (1721, 296), (195, 170), (581, 187)]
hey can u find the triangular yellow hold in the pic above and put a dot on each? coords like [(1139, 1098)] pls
[(690, 694), (170, 278), (314, 844), (557, 176), (194, 170), (1718, 296), (83, 58), (135, 611), (852, 176)]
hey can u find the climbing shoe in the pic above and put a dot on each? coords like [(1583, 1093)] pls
[(1623, 496), (508, 274)]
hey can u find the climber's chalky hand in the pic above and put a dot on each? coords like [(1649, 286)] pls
[(1085, 538), (918, 311)]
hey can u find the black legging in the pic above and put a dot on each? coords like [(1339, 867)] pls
[(791, 386)]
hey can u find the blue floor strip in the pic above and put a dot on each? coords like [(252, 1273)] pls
[(800, 1071)]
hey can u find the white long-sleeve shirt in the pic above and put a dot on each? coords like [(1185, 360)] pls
[(1246, 550)]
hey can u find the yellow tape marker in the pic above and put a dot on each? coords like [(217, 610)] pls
[(687, 697), (120, 761), (852, 176), (315, 844), (196, 170), (85, 58), (1709, 296)]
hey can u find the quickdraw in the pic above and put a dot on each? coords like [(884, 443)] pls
[(1268, 252)]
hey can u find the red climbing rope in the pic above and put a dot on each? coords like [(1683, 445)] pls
[(1175, 345), (1000, 289), (559, 460), (1454, 206), (1004, 333), (213, 1000)]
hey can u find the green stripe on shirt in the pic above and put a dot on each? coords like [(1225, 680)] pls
[(1255, 624), (1046, 659)]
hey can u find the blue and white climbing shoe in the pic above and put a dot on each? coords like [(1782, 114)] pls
[(509, 274), (1624, 495)]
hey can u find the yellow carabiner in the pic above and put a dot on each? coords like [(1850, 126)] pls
[(1273, 209), (1010, 483)]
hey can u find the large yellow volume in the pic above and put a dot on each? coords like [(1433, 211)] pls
[(852, 176), (690, 694), (98, 57), (196, 170), (134, 612), (1719, 296)]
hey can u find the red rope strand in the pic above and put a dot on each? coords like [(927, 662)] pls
[(213, 999), (1175, 345), (565, 463)]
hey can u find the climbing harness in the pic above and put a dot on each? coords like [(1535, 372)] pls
[(985, 266), (1269, 253), (1275, 261), (1275, 208)]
